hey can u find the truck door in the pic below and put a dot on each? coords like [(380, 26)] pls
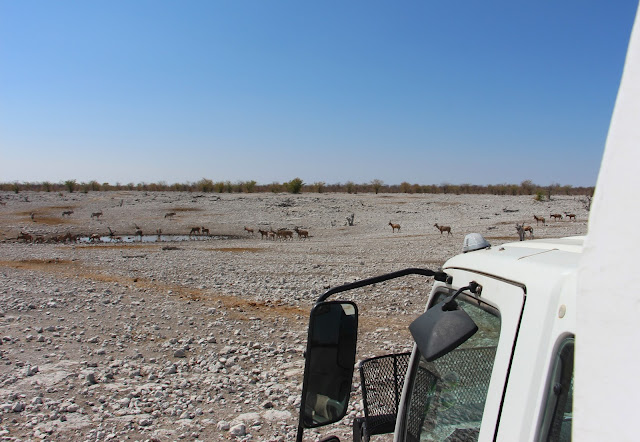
[(459, 396)]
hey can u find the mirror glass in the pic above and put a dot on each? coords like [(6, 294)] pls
[(330, 359)]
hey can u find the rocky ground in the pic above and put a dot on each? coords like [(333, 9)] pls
[(202, 338)]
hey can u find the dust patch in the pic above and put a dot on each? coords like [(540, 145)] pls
[(240, 309), (237, 249)]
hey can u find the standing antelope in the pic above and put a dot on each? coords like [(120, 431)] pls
[(443, 229), (263, 233), (97, 215), (248, 230), (139, 233), (538, 219), (205, 231), (555, 216), (194, 230), (67, 213), (170, 215), (301, 233), (570, 215), (284, 234), (394, 226), (522, 230)]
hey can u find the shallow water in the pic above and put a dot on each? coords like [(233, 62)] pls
[(154, 238)]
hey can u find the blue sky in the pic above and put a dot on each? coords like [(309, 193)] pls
[(421, 91)]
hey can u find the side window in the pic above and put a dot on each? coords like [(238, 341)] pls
[(448, 395), (558, 412)]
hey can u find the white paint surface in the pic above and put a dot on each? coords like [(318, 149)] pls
[(607, 376)]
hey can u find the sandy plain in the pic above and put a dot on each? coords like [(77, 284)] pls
[(202, 338)]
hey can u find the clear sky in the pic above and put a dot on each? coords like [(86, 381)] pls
[(428, 92)]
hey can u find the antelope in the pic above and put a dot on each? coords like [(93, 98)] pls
[(284, 234), (67, 213), (138, 233), (538, 219), (522, 230), (301, 233), (97, 215), (394, 226), (194, 230), (248, 230), (570, 215), (271, 234), (205, 231), (443, 229), (263, 233), (170, 215), (556, 216), (111, 232), (39, 239), (95, 237), (25, 237)]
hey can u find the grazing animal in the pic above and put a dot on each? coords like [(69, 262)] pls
[(263, 233), (39, 239), (170, 215), (67, 213), (538, 219), (271, 234), (97, 215), (301, 233), (570, 215), (95, 237), (555, 216), (205, 231), (522, 230), (139, 233), (194, 231), (25, 237), (248, 230), (394, 226), (443, 229), (284, 234)]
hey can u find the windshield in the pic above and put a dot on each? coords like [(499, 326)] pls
[(447, 395)]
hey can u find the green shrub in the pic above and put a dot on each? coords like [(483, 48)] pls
[(70, 185), (295, 185)]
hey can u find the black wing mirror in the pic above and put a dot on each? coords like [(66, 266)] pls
[(443, 327), (330, 358)]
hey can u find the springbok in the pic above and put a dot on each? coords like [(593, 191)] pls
[(301, 233), (205, 231), (394, 226), (97, 215), (555, 216), (194, 230), (170, 215), (67, 213), (443, 229), (263, 233), (248, 230), (570, 215)]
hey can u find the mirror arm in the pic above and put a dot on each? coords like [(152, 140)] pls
[(438, 276)]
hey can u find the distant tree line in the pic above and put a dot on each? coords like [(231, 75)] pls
[(296, 185)]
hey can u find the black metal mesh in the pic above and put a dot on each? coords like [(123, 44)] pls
[(382, 379), (449, 391)]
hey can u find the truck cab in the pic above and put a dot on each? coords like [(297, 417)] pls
[(493, 352), (513, 379)]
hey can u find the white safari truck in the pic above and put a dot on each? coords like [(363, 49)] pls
[(528, 341)]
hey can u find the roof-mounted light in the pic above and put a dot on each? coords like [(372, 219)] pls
[(474, 241)]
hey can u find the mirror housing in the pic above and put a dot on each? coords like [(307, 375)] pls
[(441, 329), (330, 360)]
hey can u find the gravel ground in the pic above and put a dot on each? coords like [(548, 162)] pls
[(202, 337)]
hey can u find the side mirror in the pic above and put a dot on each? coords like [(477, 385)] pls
[(441, 329), (330, 358)]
